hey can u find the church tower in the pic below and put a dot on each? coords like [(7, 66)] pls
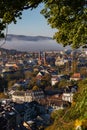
[(39, 58), (44, 58)]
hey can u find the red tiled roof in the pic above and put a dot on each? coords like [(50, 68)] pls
[(76, 75)]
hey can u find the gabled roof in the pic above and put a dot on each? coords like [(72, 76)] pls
[(76, 75), (41, 73)]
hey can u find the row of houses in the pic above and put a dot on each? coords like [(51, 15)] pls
[(27, 96), (15, 62), (40, 97), (15, 116)]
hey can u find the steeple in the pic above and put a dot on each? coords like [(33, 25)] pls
[(44, 58), (39, 58)]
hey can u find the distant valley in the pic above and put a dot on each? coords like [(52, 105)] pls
[(31, 43)]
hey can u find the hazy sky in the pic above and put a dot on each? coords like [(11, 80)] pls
[(32, 23)]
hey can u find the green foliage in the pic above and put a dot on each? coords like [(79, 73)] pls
[(46, 81), (11, 83), (30, 75), (56, 114), (35, 88), (83, 71), (3, 84), (63, 83), (2, 95), (17, 75), (68, 17), (10, 10), (66, 120)]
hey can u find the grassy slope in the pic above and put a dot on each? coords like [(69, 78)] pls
[(75, 115)]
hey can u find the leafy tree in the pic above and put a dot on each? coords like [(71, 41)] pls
[(35, 88), (32, 83), (74, 67), (68, 17), (30, 74), (11, 83), (56, 114), (17, 75), (3, 84), (47, 79), (11, 10), (83, 71), (63, 83), (2, 95)]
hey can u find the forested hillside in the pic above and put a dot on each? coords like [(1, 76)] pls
[(74, 117)]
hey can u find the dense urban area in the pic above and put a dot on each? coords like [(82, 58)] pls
[(43, 90)]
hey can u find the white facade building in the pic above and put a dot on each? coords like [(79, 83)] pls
[(27, 96), (67, 97)]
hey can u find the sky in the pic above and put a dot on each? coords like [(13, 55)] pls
[(32, 24)]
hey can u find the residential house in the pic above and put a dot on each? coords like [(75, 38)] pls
[(76, 77), (9, 117), (67, 97), (11, 65), (27, 96), (54, 79), (41, 74), (59, 61), (56, 102)]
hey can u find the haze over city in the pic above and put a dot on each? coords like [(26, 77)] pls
[(31, 43)]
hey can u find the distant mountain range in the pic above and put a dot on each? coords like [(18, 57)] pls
[(11, 37), (31, 43)]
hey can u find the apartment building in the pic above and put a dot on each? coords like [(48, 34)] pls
[(27, 96)]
